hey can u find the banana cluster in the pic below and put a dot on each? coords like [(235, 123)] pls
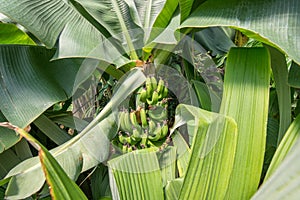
[(147, 125)]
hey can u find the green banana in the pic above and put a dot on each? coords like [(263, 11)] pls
[(157, 133), (129, 149), (164, 129), (165, 92), (143, 117), (154, 98), (153, 82), (158, 113), (121, 120), (143, 95), (149, 89), (124, 139), (136, 134), (152, 127), (160, 86), (127, 122), (125, 148), (143, 143), (150, 144), (133, 119)]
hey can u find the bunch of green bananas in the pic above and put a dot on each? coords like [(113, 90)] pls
[(148, 124)]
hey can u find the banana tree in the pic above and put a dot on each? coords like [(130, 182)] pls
[(216, 155)]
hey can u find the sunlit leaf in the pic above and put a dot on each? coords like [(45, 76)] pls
[(288, 142), (167, 164), (246, 98), (282, 181), (137, 175), (172, 189), (212, 155), (10, 34)]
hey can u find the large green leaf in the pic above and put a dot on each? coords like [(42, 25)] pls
[(10, 34), (212, 155), (91, 145), (49, 19), (137, 175), (273, 22), (116, 17), (245, 98), (30, 83)]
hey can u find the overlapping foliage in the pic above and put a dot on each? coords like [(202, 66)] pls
[(217, 154)]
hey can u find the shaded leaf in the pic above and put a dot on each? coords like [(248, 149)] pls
[(273, 22), (7, 137), (183, 153), (215, 40), (50, 129), (280, 73), (294, 75), (49, 20), (100, 182), (30, 83)]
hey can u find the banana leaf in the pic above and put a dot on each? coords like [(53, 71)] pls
[(286, 145), (294, 74), (50, 129), (91, 145), (274, 22), (31, 84), (50, 20), (282, 180), (137, 175), (11, 34), (60, 185), (183, 153), (210, 165), (7, 137), (246, 98), (172, 189), (280, 73)]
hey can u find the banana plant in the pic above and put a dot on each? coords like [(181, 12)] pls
[(206, 159)]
